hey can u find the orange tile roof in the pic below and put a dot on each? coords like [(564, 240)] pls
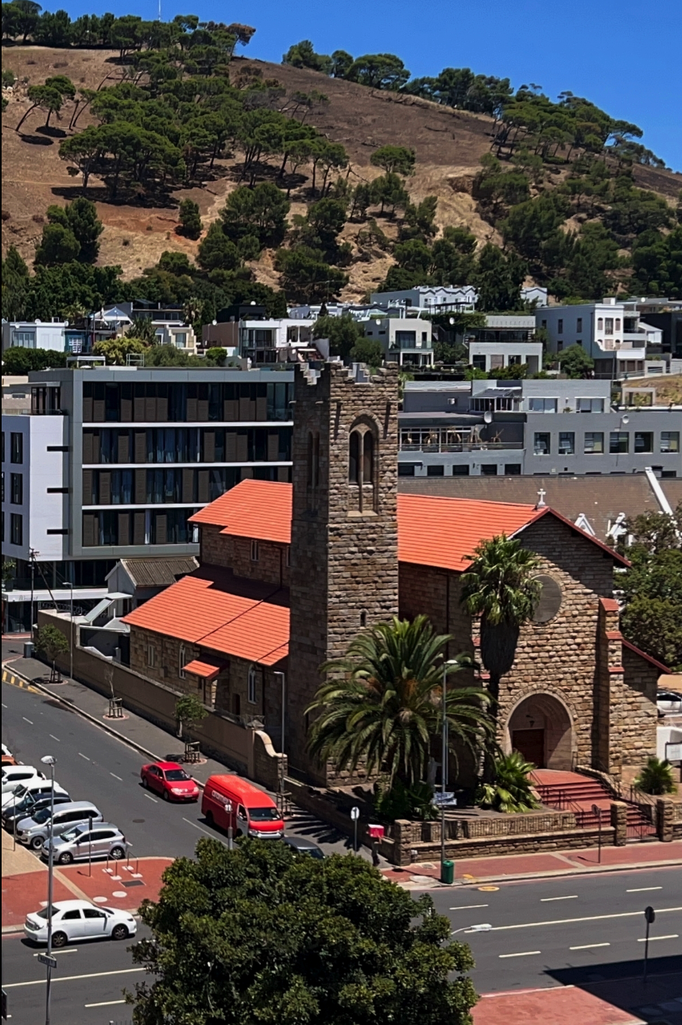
[(201, 609), (254, 508), (203, 669), (432, 531), (444, 531)]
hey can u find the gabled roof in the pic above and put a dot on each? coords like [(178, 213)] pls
[(642, 654), (432, 531), (255, 508), (157, 572), (217, 610)]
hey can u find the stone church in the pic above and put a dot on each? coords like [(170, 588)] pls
[(289, 574)]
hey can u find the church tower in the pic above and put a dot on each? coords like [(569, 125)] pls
[(344, 539)]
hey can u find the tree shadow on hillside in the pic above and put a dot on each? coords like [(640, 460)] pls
[(51, 131), (36, 140)]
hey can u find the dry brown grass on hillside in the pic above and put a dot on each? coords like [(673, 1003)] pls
[(448, 144), (668, 389)]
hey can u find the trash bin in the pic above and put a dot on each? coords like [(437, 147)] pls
[(28, 649), (447, 872)]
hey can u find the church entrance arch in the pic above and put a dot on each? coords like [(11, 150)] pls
[(540, 727)]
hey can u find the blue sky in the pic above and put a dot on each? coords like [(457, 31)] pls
[(624, 55)]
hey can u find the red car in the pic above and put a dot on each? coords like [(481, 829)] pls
[(170, 780)]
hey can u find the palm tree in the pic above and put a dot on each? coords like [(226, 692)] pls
[(510, 790), (656, 777), (499, 587), (381, 705)]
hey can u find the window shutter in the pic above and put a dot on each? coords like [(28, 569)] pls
[(87, 487), (242, 453), (139, 408), (209, 446), (187, 485), (230, 446), (123, 447), (87, 409), (140, 487), (138, 528), (124, 528), (273, 445), (202, 486), (162, 406), (230, 410), (126, 408), (161, 528), (87, 447), (98, 410), (89, 523), (262, 408), (104, 487), (140, 446), (191, 409), (150, 409)]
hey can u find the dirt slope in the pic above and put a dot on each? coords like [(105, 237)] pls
[(448, 144)]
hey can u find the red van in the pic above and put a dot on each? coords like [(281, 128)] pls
[(233, 801)]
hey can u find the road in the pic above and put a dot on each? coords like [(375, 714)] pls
[(543, 929), (87, 987)]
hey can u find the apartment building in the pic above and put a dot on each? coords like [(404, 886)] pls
[(114, 460), (34, 334), (529, 427), (613, 333), (407, 341)]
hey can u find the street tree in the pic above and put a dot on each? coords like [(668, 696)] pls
[(575, 362), (189, 712), (51, 643), (500, 589), (259, 934), (381, 703)]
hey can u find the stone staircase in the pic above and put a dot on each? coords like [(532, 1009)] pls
[(571, 791)]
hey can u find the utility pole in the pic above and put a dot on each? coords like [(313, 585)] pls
[(49, 760)]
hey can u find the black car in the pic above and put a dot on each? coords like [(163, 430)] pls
[(300, 845), (28, 807)]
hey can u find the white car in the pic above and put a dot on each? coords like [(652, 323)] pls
[(79, 920), (14, 776), (669, 701)]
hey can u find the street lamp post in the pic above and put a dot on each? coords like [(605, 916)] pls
[(69, 583), (445, 747), (49, 760), (483, 927), (282, 682)]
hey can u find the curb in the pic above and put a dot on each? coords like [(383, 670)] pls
[(521, 877)]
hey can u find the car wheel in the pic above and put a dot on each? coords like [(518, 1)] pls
[(117, 853), (119, 932), (66, 858), (37, 843), (165, 795), (59, 939), (209, 818), (145, 783)]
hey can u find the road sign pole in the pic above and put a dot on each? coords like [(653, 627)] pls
[(649, 917), (355, 815)]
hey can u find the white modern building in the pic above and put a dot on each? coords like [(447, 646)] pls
[(405, 340), (34, 334), (180, 336), (611, 332), (496, 355), (434, 298), (277, 340)]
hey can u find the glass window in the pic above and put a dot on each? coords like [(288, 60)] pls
[(254, 551), (151, 655), (489, 469), (590, 405), (600, 323), (594, 442), (406, 469), (644, 441), (251, 693), (17, 455), (17, 488), (670, 441), (566, 443), (512, 469), (435, 471), (608, 325), (17, 528), (619, 441), (542, 444), (617, 323), (181, 661), (560, 326), (579, 324), (542, 405)]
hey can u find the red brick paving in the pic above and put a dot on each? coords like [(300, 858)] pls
[(24, 893), (562, 1006)]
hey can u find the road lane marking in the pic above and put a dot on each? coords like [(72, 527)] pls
[(151, 798), (573, 896), (644, 889), (55, 738), (105, 1003), (521, 953), (72, 978), (4, 705), (672, 936), (201, 828), (590, 946), (569, 921), (115, 776), (29, 721), (83, 756), (466, 907)]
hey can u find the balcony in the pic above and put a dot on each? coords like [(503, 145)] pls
[(445, 441)]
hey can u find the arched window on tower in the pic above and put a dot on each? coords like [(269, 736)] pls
[(368, 458), (361, 468), (354, 457)]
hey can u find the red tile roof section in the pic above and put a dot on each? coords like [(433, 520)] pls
[(199, 610), (648, 658), (203, 669), (255, 508), (432, 531)]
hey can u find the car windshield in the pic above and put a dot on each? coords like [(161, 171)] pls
[(42, 815), (264, 814), (44, 913), (73, 833), (20, 791), (176, 775)]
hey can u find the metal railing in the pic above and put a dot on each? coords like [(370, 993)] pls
[(464, 446)]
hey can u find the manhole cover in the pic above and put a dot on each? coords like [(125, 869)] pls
[(134, 882), (138, 820), (488, 889)]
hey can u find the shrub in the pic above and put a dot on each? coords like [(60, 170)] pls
[(403, 802), (656, 777), (510, 790)]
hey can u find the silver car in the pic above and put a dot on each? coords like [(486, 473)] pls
[(84, 842), (35, 831)]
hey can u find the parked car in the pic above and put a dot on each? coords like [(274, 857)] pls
[(79, 920), (233, 802), (31, 788), (14, 775), (669, 701), (85, 841), (170, 780), (31, 804), (35, 831), (301, 845), (7, 756)]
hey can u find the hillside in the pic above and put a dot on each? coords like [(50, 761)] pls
[(448, 143)]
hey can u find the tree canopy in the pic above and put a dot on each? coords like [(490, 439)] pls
[(260, 933)]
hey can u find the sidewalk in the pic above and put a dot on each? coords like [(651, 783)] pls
[(597, 1003), (531, 866)]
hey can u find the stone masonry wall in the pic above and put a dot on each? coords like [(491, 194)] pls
[(216, 549), (344, 563), (559, 657), (235, 553), (634, 714)]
